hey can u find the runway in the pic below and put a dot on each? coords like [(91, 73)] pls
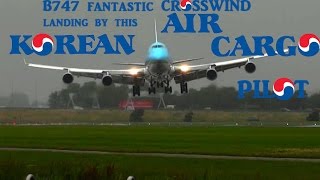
[(174, 124), (164, 155)]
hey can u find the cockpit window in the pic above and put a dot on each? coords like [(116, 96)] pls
[(157, 46)]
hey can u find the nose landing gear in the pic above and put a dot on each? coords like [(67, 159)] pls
[(168, 89)]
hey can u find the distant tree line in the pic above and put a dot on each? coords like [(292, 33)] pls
[(227, 98), (213, 97), (83, 96)]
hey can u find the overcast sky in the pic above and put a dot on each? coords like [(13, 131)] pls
[(267, 17)]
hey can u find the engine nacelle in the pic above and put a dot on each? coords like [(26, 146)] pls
[(212, 74), (250, 67), (67, 78), (107, 80)]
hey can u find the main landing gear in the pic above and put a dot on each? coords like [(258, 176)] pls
[(136, 90), (184, 87), (166, 85), (168, 88), (152, 90), (160, 84)]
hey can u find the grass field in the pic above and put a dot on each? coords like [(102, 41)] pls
[(243, 141), (15, 165), (106, 116), (234, 141)]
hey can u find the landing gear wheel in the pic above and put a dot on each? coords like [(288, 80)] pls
[(184, 87), (136, 90), (168, 90), (152, 90)]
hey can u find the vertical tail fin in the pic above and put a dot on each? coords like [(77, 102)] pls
[(155, 30)]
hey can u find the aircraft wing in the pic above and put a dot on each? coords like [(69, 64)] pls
[(189, 73), (125, 76), (186, 60), (131, 64)]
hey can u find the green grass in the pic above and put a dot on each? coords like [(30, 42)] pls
[(107, 116), (238, 141), (16, 165)]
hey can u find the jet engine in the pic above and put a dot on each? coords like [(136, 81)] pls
[(107, 80), (250, 67), (212, 74), (67, 78)]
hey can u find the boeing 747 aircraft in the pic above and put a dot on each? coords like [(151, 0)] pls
[(157, 71)]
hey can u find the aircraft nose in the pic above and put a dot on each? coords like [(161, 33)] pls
[(159, 54)]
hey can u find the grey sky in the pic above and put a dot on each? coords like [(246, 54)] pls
[(267, 17)]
